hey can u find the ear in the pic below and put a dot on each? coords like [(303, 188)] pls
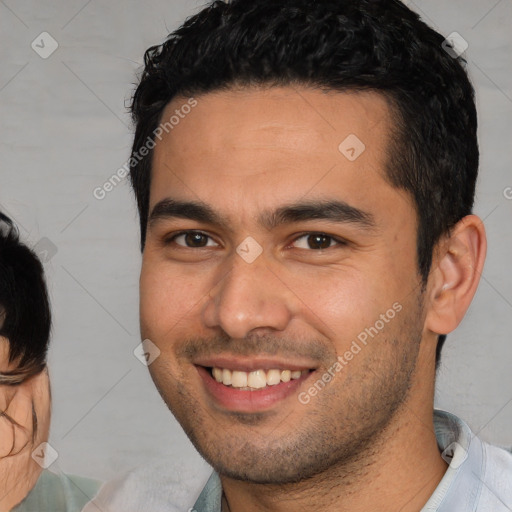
[(456, 269)]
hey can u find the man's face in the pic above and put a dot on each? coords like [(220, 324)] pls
[(329, 314)]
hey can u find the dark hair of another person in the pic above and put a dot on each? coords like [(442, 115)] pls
[(334, 45), (24, 306)]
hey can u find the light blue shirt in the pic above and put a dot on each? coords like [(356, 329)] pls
[(478, 479)]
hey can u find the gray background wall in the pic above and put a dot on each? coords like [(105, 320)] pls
[(65, 131)]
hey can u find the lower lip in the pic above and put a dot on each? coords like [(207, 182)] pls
[(234, 399)]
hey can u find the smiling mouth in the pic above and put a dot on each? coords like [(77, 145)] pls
[(254, 380)]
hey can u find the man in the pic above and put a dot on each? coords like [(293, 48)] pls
[(305, 176), (25, 325)]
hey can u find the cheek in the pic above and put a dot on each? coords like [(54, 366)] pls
[(167, 297), (342, 303), (157, 300), (335, 298)]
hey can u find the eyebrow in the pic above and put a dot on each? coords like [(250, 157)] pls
[(330, 210)]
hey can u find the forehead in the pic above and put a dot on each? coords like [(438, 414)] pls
[(280, 117), (278, 143)]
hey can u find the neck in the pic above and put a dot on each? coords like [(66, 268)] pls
[(399, 471)]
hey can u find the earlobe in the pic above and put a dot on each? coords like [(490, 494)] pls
[(456, 272)]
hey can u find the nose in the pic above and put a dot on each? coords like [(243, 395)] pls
[(250, 296)]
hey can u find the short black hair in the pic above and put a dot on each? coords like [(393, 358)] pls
[(335, 45), (24, 305)]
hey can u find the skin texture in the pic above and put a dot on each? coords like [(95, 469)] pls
[(18, 470), (246, 151)]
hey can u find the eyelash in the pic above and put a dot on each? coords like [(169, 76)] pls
[(339, 241)]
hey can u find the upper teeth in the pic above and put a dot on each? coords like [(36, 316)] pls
[(256, 379)]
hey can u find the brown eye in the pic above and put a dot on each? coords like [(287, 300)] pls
[(196, 240), (192, 239), (317, 241)]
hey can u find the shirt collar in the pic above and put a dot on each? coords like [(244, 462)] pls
[(461, 485)]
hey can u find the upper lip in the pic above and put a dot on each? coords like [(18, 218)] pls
[(249, 364)]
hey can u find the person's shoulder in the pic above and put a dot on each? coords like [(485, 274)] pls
[(499, 458), (160, 485), (59, 493), (492, 477), (497, 474), (479, 474)]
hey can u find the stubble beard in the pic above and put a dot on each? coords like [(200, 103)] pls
[(341, 432)]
